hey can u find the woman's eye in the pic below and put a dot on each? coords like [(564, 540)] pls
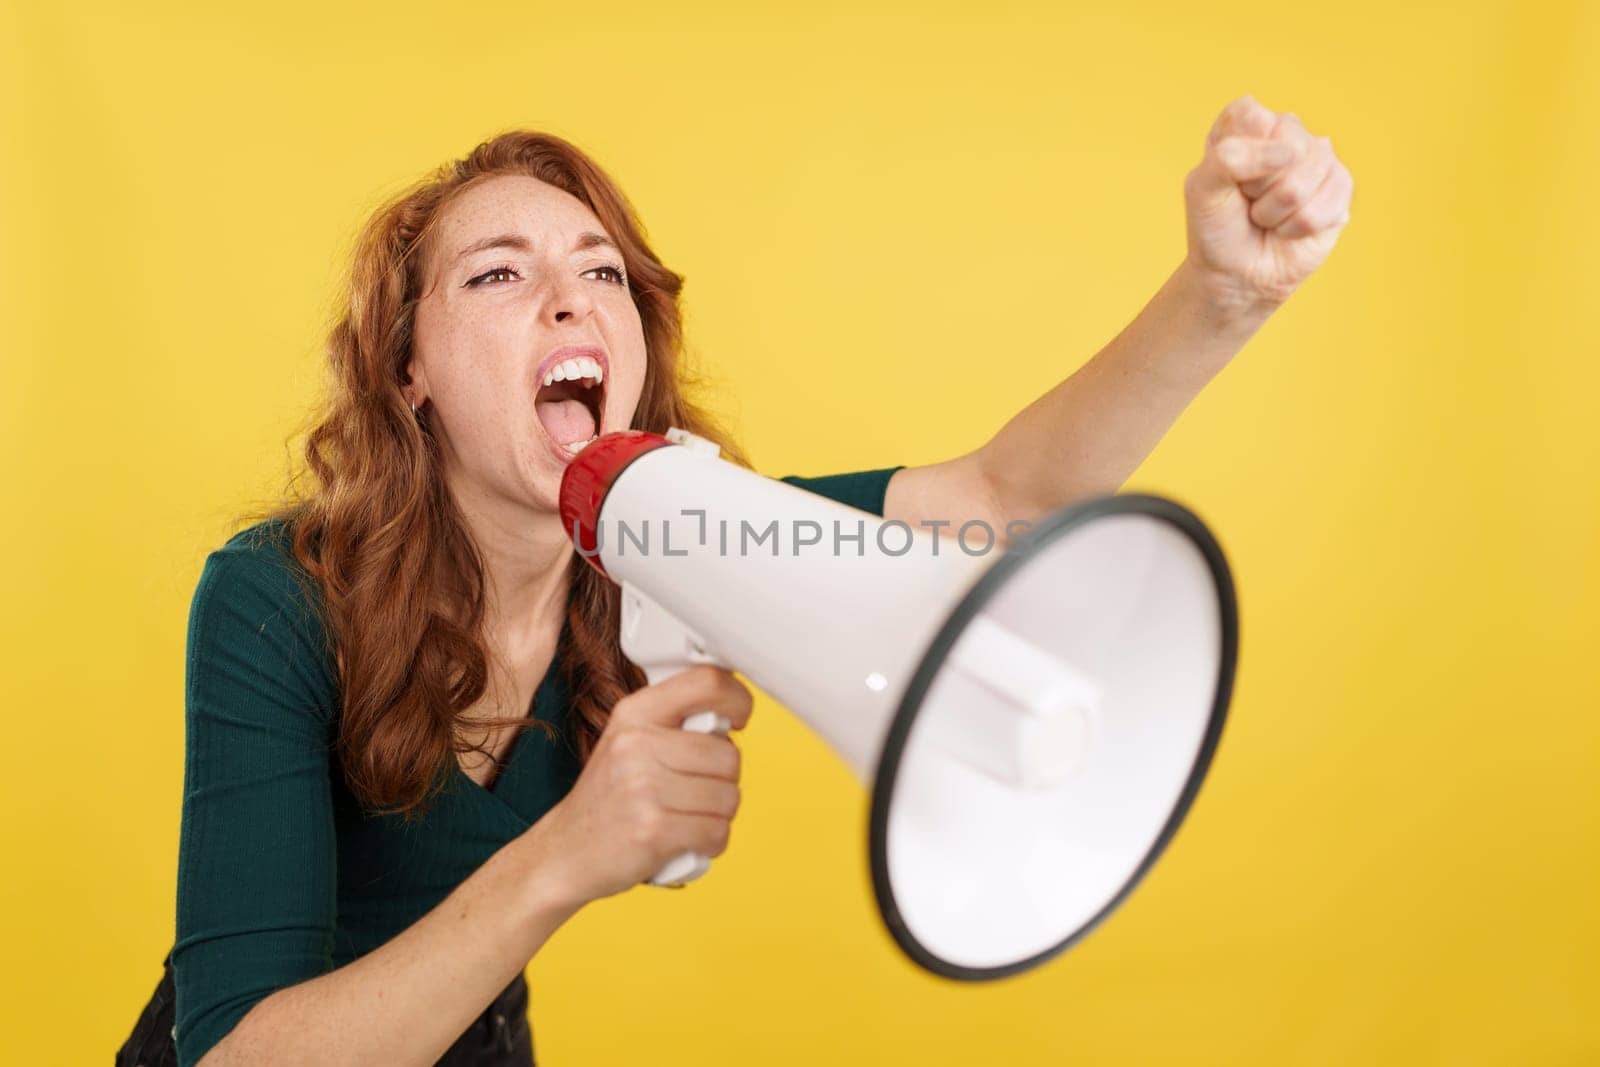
[(490, 274), (617, 277)]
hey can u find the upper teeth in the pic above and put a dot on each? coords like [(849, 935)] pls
[(569, 370)]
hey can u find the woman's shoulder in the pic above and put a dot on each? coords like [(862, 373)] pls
[(253, 588), (268, 541), (260, 559)]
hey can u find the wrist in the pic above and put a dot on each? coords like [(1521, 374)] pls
[(550, 890), (1185, 335), (1219, 301)]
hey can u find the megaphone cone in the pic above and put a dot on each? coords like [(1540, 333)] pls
[(1033, 724)]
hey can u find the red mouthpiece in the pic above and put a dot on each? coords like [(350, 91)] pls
[(588, 479)]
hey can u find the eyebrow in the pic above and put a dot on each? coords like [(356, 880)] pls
[(587, 240)]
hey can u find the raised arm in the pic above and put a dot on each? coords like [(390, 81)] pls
[(1265, 206)]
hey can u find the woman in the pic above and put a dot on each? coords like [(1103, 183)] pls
[(414, 748)]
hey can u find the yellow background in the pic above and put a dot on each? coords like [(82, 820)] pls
[(898, 228)]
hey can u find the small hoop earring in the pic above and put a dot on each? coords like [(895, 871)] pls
[(413, 410)]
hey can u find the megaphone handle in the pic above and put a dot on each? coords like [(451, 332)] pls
[(685, 867)]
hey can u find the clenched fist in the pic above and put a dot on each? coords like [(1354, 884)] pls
[(1265, 206), (650, 789)]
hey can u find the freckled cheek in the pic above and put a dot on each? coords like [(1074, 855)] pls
[(622, 392), (625, 340), (481, 406), (483, 372), (622, 402)]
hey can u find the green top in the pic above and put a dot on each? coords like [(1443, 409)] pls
[(281, 875)]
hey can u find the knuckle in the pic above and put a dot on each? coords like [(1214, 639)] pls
[(647, 825), (639, 787), (636, 773), (705, 681), (1298, 189), (624, 711), (626, 744), (735, 689), (1329, 209)]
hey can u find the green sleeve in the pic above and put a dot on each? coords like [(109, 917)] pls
[(257, 876), (858, 489)]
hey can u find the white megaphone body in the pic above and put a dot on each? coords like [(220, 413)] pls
[(1033, 723)]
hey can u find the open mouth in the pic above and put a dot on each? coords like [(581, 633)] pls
[(569, 402)]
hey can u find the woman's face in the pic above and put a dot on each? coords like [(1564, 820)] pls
[(523, 284)]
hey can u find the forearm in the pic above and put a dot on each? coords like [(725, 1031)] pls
[(408, 1001), (1087, 435)]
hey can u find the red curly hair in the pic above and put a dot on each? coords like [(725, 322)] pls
[(400, 580)]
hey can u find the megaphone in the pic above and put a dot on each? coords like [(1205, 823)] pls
[(1033, 724)]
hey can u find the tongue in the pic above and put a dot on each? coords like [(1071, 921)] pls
[(565, 421)]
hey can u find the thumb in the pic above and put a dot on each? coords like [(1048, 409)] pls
[(1232, 161)]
